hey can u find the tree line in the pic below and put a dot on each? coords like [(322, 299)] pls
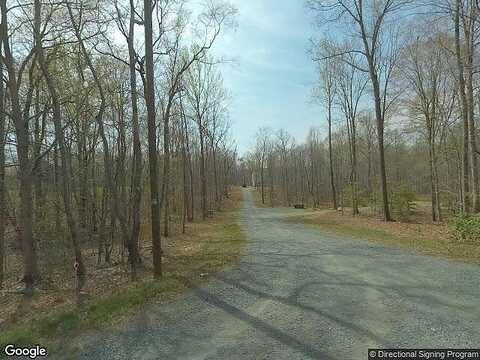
[(113, 123), (398, 85)]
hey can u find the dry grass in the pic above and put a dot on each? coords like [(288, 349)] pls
[(422, 236), (205, 248)]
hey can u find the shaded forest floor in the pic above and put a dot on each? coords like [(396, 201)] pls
[(52, 313), (418, 233)]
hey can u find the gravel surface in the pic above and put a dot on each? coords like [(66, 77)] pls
[(300, 293)]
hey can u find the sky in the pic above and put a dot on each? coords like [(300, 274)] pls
[(271, 76)]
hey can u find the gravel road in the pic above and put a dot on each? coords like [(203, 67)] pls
[(300, 293)]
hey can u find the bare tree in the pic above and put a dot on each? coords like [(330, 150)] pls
[(262, 148), (328, 90), (152, 139), (427, 72), (377, 44), (137, 160), (351, 85), (59, 137), (3, 210), (15, 70)]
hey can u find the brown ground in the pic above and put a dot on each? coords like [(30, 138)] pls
[(185, 255)]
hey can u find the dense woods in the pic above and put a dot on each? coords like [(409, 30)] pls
[(133, 225), (113, 127), (398, 86), (114, 124)]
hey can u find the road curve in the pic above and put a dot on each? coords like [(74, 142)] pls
[(300, 293)]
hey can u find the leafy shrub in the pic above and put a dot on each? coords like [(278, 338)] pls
[(466, 228), (362, 196), (451, 202), (402, 201)]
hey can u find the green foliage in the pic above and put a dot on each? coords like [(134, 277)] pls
[(362, 196), (451, 202), (96, 314), (20, 336), (63, 323), (466, 228), (402, 201), (103, 312)]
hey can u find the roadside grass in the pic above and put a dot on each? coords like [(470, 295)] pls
[(424, 238), (93, 315), (208, 247)]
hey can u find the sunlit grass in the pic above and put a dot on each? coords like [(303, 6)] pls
[(218, 243), (429, 239)]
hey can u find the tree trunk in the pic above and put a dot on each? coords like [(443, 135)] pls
[(215, 177), (463, 98), (330, 156), (24, 165), (3, 210), (203, 175), (190, 214), (137, 164), (471, 125), (166, 166), (262, 180), (355, 209), (152, 140), (381, 148), (432, 175)]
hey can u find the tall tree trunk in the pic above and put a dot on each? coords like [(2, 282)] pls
[(137, 149), (185, 212), (355, 209), (436, 187), (38, 136), (262, 180), (203, 175), (56, 177), (24, 165), (3, 210), (469, 47), (432, 174), (165, 199), (190, 214), (330, 156), (152, 140), (381, 148), (215, 176), (271, 180), (464, 106)]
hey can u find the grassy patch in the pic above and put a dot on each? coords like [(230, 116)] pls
[(425, 238), (212, 246), (342, 228), (94, 314)]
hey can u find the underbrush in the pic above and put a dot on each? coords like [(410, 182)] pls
[(206, 248), (466, 229)]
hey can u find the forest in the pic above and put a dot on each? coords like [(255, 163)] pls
[(400, 109), (120, 172), (86, 166)]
